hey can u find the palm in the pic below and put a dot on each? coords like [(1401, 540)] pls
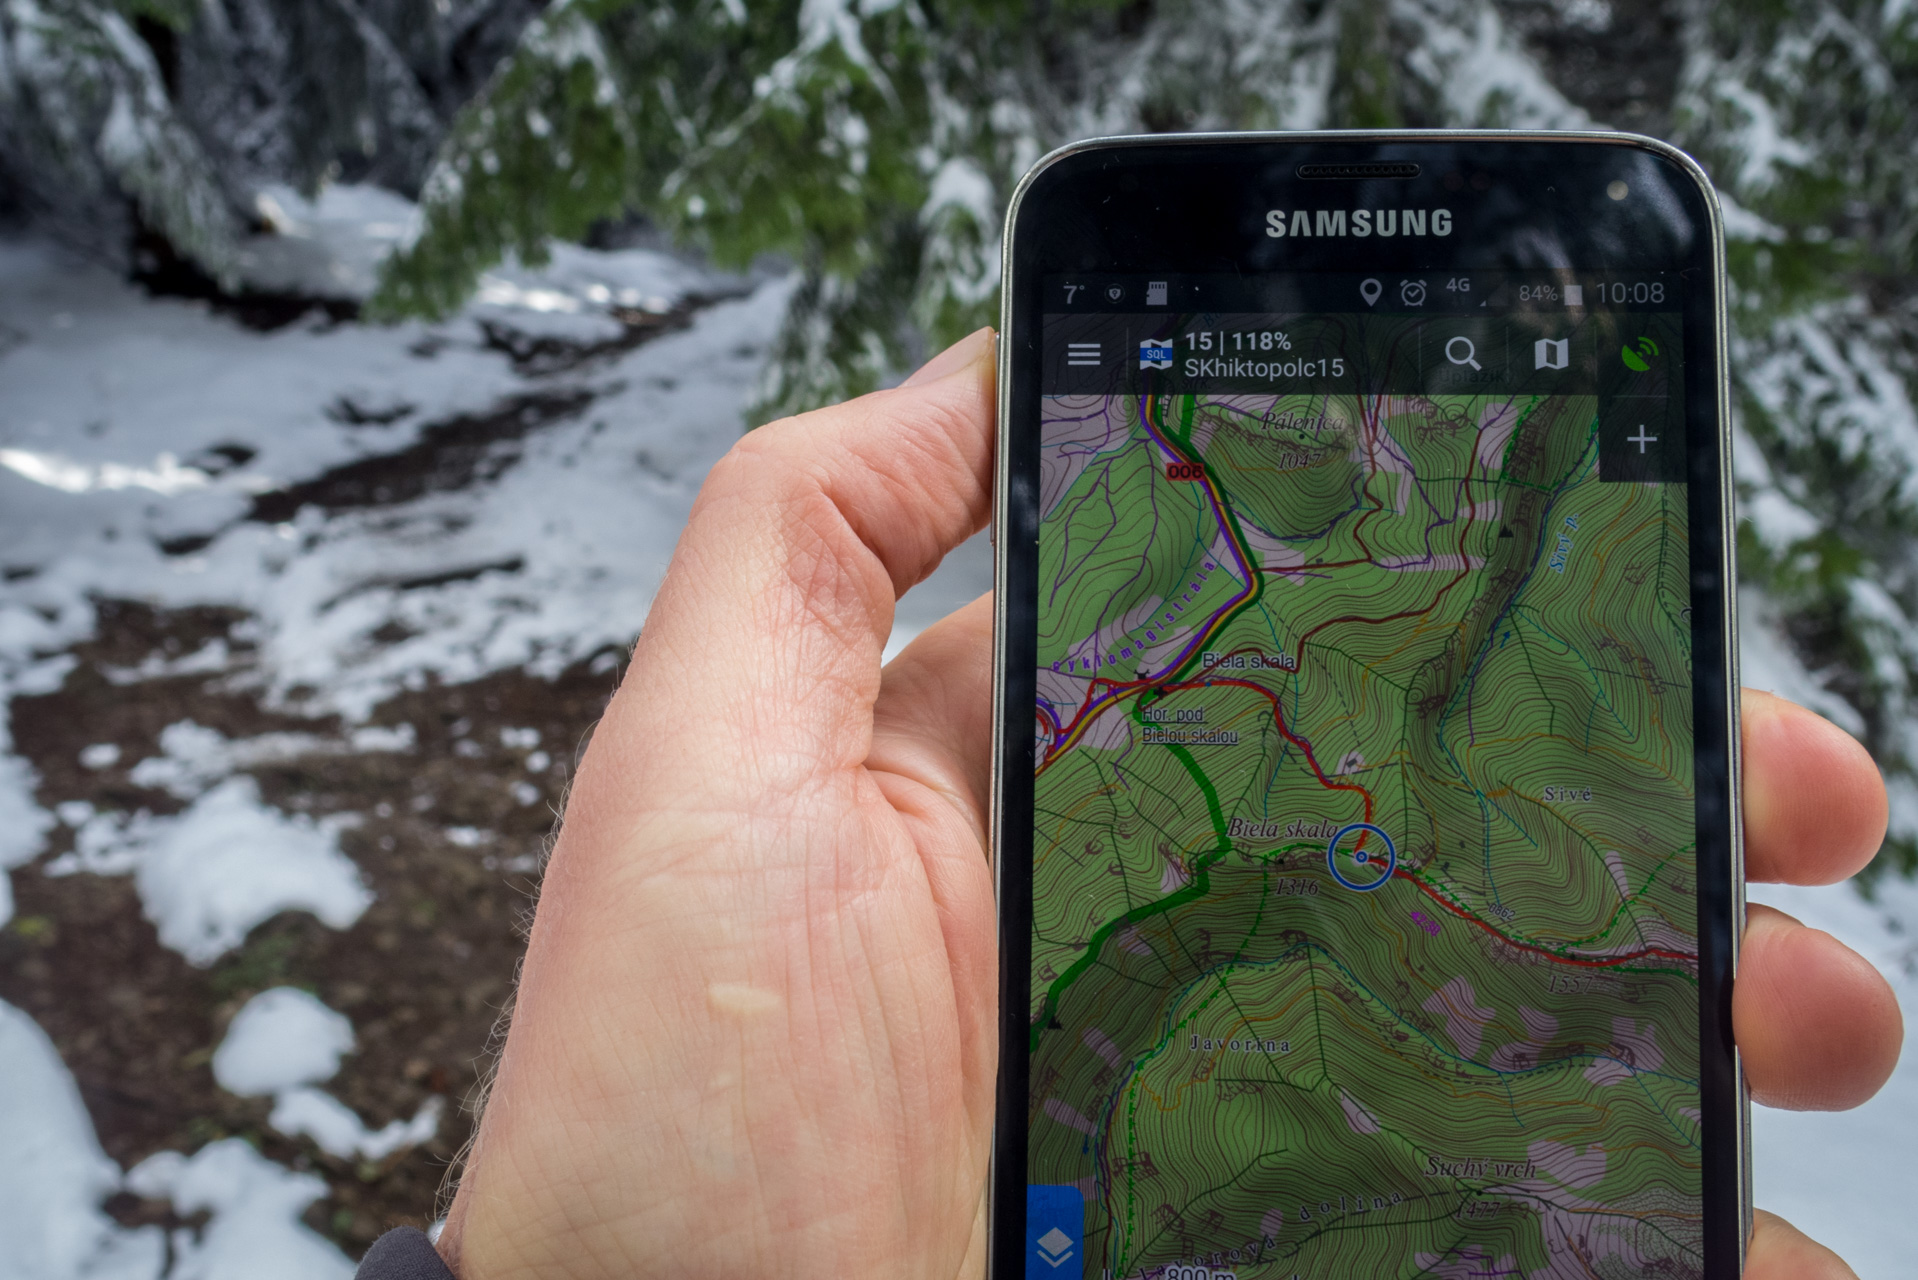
[(783, 1064)]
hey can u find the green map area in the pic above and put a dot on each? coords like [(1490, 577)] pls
[(1364, 938)]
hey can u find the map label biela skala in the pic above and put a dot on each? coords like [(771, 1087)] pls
[(1364, 794)]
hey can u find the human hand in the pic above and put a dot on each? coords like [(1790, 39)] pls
[(1817, 1026), (756, 1032)]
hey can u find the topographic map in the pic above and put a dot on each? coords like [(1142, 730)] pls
[(1364, 936)]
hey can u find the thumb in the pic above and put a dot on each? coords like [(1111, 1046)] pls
[(1780, 1251), (770, 623)]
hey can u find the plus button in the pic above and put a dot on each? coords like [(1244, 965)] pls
[(1641, 439)]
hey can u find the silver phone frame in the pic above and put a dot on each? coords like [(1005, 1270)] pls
[(1727, 505)]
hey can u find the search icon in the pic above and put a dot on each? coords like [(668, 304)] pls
[(1471, 353)]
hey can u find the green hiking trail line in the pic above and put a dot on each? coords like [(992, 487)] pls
[(1201, 884)]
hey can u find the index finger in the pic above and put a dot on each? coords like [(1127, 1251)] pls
[(1815, 807)]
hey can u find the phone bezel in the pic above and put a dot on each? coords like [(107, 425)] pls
[(1716, 763)]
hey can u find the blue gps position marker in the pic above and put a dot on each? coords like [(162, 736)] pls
[(1332, 856)]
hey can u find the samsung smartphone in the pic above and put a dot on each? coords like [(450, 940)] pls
[(1367, 824)]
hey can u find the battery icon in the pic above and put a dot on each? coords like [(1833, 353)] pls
[(1574, 295), (1155, 293)]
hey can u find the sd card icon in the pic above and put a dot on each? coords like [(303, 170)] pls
[(1055, 1221)]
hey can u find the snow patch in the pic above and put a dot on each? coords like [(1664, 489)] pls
[(230, 862), (53, 1175), (330, 246), (1758, 137), (1742, 224), (207, 876), (164, 475), (279, 1039), (284, 1041), (1479, 71), (100, 755), (195, 757), (23, 824), (255, 1206), (340, 1132), (1777, 520)]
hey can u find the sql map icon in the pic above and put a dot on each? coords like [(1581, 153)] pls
[(1155, 353)]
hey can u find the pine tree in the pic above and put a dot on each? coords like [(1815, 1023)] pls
[(875, 145), (163, 118), (783, 128), (88, 130), (1806, 115)]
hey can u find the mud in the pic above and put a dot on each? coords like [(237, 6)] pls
[(451, 838)]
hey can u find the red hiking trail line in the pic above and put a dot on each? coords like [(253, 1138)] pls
[(1120, 689)]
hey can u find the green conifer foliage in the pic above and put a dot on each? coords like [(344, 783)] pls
[(792, 129), (1806, 115), (874, 143), (85, 119)]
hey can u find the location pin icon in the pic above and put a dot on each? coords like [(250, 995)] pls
[(1370, 290)]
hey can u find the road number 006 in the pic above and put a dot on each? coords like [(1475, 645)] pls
[(1184, 471)]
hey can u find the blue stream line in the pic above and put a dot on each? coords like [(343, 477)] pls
[(1471, 678)]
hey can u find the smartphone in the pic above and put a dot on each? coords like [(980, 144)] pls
[(1367, 831)]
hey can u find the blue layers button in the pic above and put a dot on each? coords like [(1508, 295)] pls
[(1055, 1221)]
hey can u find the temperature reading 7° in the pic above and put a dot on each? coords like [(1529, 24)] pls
[(1240, 340)]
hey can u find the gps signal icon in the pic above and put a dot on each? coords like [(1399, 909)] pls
[(1638, 356)]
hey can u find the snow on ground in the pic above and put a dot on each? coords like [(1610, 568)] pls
[(255, 1230), (284, 1041), (340, 1132), (53, 1175), (153, 450), (139, 439), (281, 1039), (117, 409), (209, 875)]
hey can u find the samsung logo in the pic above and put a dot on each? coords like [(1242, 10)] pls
[(1360, 222)]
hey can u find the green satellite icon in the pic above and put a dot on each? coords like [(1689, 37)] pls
[(1638, 355)]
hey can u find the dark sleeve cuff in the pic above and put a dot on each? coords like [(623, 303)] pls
[(403, 1254)]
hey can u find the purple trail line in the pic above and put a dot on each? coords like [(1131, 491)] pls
[(1096, 705)]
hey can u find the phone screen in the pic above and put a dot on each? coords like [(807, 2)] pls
[(1364, 910)]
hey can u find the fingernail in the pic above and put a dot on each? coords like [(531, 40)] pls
[(954, 358)]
